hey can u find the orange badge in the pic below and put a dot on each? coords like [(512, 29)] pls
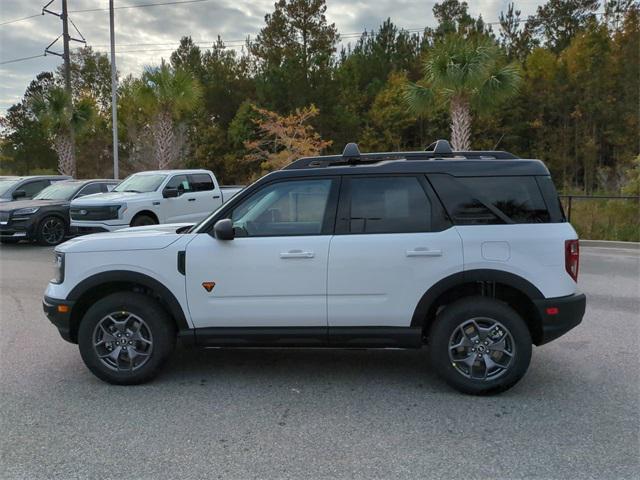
[(208, 286)]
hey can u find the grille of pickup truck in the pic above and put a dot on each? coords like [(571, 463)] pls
[(106, 212)]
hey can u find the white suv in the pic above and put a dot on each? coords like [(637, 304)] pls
[(147, 198), (468, 253)]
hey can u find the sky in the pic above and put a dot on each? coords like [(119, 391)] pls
[(146, 35)]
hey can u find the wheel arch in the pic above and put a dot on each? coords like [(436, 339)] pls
[(148, 213), (97, 286), (512, 289)]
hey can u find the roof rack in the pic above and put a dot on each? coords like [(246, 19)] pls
[(438, 150)]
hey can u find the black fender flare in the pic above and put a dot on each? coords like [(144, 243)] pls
[(128, 276), (477, 275)]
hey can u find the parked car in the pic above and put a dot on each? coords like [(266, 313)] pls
[(24, 188), (468, 253), (148, 198), (45, 218)]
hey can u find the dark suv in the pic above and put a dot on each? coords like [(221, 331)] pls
[(45, 218)]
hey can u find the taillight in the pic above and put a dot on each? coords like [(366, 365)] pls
[(572, 258)]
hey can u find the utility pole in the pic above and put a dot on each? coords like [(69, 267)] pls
[(114, 92), (66, 57), (67, 76)]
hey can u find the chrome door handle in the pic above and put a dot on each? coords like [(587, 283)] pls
[(297, 254), (424, 252)]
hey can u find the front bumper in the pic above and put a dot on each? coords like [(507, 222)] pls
[(559, 315), (96, 227), (58, 316), (15, 230)]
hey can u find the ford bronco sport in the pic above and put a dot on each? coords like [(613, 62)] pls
[(467, 253)]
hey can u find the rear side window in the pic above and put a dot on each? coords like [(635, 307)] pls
[(384, 205), (201, 182), (491, 200)]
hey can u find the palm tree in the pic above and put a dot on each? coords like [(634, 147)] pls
[(166, 94), (61, 119), (463, 74)]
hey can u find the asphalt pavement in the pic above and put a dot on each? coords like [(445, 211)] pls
[(360, 414)]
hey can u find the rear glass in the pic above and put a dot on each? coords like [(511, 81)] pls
[(491, 200)]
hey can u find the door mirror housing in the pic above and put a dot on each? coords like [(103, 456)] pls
[(223, 229), (170, 193), (19, 194)]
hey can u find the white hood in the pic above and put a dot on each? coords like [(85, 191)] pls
[(151, 237), (99, 199)]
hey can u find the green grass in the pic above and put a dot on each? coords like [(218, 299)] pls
[(599, 219)]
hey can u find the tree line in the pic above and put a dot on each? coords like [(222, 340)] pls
[(561, 85)]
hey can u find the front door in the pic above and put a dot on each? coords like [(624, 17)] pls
[(183, 207), (392, 243), (274, 272)]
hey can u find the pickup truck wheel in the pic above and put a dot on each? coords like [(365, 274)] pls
[(141, 220), (125, 338), (51, 231), (480, 346)]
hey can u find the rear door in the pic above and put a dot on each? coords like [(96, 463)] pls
[(182, 208), (392, 243), (207, 194)]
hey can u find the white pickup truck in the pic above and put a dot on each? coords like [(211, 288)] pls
[(147, 198)]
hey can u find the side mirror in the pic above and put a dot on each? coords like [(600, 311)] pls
[(19, 194), (170, 193), (223, 229)]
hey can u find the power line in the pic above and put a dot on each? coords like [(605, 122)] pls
[(19, 19), (22, 59), (142, 5)]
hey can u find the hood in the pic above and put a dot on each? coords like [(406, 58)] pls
[(151, 237), (10, 206), (104, 198)]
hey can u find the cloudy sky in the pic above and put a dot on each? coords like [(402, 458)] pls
[(145, 35)]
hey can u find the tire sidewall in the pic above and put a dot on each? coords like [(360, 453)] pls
[(457, 313), (39, 235), (156, 318), (142, 221)]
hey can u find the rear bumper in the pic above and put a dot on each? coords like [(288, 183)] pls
[(559, 315), (62, 320)]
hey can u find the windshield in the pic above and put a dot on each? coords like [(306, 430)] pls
[(58, 191), (141, 183), (6, 184)]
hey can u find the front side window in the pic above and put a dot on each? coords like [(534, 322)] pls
[(31, 188), (181, 183), (90, 189), (491, 200), (385, 205), (284, 208)]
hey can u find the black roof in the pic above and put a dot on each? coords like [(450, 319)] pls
[(438, 158)]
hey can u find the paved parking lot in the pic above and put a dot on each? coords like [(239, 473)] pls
[(321, 413)]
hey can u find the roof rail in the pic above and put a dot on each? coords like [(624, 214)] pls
[(351, 155), (440, 147)]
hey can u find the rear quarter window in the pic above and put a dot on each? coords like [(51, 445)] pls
[(491, 200)]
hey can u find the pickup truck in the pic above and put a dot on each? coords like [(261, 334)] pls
[(152, 197)]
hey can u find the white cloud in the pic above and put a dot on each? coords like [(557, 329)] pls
[(231, 19)]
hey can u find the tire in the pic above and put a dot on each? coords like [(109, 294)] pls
[(96, 326), (476, 367), (142, 220), (51, 231)]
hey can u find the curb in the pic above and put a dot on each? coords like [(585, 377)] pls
[(610, 244)]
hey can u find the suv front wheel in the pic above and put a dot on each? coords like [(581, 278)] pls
[(480, 346), (124, 338)]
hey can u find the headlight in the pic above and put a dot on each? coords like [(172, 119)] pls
[(58, 262), (25, 211)]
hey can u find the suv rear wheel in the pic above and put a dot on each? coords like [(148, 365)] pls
[(480, 346), (125, 338)]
